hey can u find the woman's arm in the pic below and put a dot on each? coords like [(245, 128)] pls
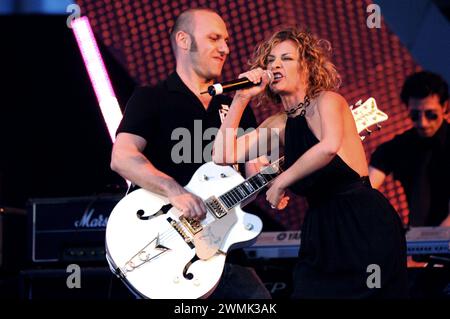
[(228, 149), (331, 107)]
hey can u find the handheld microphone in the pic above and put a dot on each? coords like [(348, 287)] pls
[(238, 84)]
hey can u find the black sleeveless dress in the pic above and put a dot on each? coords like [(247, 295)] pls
[(352, 240)]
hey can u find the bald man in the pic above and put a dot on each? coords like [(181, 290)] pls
[(144, 150)]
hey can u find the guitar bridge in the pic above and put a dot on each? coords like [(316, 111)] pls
[(192, 225)]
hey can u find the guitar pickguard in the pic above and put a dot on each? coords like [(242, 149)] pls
[(210, 240)]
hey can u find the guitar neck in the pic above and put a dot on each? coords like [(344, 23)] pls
[(251, 185)]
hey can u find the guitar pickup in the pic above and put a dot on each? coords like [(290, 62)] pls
[(215, 207)]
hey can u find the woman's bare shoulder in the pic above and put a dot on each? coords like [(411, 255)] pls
[(331, 97), (328, 100)]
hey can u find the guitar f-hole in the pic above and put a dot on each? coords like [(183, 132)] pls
[(163, 210), (189, 276)]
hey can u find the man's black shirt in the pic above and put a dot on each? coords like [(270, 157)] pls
[(422, 166), (169, 116)]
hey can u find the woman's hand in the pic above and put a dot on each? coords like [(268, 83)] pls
[(256, 76), (275, 195)]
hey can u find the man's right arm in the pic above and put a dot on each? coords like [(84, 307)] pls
[(382, 163), (129, 162)]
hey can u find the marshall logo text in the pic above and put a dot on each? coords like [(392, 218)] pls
[(88, 222)]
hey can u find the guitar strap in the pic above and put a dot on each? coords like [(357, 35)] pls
[(223, 111)]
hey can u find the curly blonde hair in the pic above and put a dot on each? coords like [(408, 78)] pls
[(313, 57)]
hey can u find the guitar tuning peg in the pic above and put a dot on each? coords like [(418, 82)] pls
[(368, 131), (378, 127)]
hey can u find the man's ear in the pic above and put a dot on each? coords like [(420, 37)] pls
[(445, 107), (183, 40)]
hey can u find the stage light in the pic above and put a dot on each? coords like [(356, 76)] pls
[(98, 75)]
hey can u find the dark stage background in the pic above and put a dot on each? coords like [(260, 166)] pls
[(54, 140)]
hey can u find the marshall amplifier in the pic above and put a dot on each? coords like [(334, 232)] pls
[(69, 229)]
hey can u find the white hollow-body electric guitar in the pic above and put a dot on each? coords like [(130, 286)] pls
[(159, 254)]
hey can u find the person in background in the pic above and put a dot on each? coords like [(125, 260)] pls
[(420, 157)]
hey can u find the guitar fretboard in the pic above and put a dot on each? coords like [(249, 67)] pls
[(251, 185)]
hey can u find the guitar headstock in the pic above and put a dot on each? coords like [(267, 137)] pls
[(367, 114)]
